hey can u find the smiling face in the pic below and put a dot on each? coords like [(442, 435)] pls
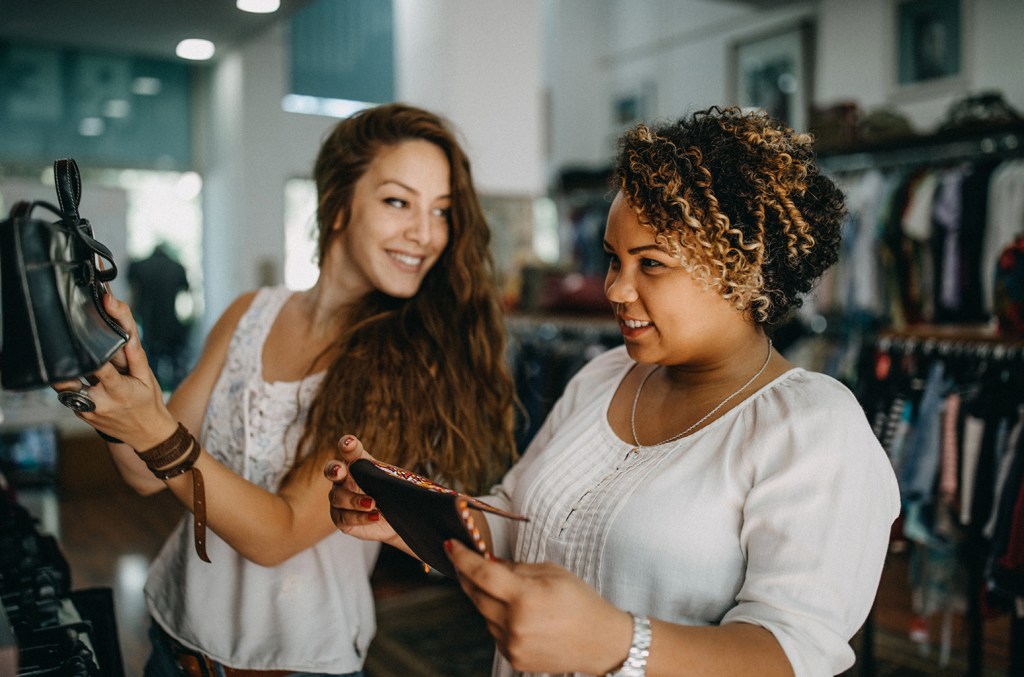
[(399, 221), (665, 316)]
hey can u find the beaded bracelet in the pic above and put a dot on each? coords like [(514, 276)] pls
[(172, 457)]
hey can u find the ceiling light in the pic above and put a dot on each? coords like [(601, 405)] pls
[(258, 6), (116, 108), (91, 126), (195, 49), (146, 86)]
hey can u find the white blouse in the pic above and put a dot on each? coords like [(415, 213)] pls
[(312, 613), (776, 514)]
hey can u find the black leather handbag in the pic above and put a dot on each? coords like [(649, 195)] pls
[(54, 325)]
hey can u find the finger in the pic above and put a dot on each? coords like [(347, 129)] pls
[(335, 471), (491, 577), (347, 519), (344, 498), (120, 312), (67, 386), (351, 449)]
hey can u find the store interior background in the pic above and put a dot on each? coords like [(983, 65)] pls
[(539, 90)]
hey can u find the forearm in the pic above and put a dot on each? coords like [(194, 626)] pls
[(264, 527), (133, 470), (730, 650)]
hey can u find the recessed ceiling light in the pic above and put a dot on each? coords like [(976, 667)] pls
[(195, 49), (146, 86), (91, 126), (116, 108), (258, 6)]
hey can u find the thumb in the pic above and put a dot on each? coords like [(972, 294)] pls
[(351, 449)]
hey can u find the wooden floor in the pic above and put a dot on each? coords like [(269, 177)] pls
[(109, 536)]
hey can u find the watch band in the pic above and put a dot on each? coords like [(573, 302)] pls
[(635, 664)]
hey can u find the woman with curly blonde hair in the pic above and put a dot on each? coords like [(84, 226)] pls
[(698, 505), (401, 339)]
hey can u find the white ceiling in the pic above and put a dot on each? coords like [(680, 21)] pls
[(138, 27)]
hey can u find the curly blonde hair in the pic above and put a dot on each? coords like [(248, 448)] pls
[(739, 197)]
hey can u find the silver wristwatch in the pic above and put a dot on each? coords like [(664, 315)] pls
[(635, 664)]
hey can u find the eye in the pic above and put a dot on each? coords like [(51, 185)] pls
[(651, 263), (396, 202), (613, 260), (441, 212)]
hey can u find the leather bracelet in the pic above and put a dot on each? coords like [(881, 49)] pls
[(635, 664), (181, 451), (184, 464), (170, 450)]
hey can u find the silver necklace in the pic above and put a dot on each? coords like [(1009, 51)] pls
[(632, 416)]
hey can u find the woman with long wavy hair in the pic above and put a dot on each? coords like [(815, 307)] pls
[(401, 338)]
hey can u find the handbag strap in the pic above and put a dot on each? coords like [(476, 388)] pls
[(80, 228), (69, 187), (68, 181)]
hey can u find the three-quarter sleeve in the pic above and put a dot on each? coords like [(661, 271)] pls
[(815, 530)]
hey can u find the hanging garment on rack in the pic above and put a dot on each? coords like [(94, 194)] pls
[(950, 414), (1005, 220)]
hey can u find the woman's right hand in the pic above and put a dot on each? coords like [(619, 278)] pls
[(352, 511)]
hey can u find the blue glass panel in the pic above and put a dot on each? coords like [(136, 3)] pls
[(101, 109), (344, 49)]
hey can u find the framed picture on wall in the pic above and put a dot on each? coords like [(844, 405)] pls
[(929, 41), (772, 72)]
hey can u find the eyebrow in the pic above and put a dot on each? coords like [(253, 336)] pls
[(635, 250), (447, 196)]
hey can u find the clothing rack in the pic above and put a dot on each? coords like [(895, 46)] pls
[(985, 351), (996, 142), (545, 351)]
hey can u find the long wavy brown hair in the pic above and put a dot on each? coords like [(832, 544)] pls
[(740, 198), (423, 381)]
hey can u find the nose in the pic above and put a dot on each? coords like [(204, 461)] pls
[(619, 288), (419, 230)]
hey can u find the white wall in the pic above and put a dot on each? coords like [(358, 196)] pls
[(683, 47)]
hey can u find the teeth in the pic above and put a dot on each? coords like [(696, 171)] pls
[(635, 324), (407, 260)]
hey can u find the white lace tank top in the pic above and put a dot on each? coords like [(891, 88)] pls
[(314, 612)]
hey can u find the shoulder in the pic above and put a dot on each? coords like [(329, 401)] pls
[(810, 420), (607, 367)]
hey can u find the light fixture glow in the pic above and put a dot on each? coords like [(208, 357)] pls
[(313, 105), (146, 86), (91, 126), (195, 49), (258, 6), (116, 108)]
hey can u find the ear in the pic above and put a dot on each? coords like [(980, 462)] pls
[(339, 221)]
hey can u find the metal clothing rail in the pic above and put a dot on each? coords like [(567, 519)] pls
[(997, 143), (985, 346)]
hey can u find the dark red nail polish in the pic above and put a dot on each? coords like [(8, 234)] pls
[(448, 545), (365, 502), (374, 516)]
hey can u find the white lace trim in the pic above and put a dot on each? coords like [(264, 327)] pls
[(256, 439)]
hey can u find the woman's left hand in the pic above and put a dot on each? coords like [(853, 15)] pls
[(543, 618), (129, 401)]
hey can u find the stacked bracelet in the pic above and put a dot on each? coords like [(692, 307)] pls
[(172, 457)]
